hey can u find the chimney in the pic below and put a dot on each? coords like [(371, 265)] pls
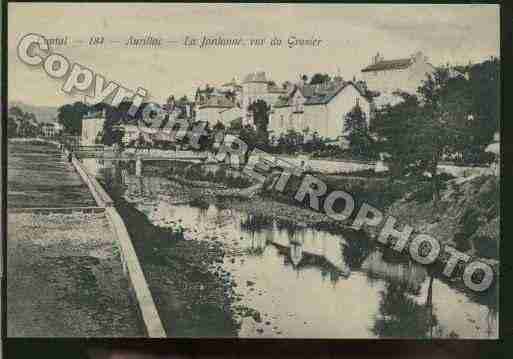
[(418, 56)]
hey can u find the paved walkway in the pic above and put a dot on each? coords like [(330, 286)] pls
[(40, 176), (65, 277)]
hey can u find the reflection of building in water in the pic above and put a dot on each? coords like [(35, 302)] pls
[(409, 273), (303, 247)]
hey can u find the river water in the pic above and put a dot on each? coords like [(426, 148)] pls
[(310, 283)]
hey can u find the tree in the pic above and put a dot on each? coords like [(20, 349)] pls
[(248, 135), (219, 126), (235, 125), (319, 78), (12, 127), (70, 117), (484, 80), (418, 132), (357, 132), (16, 112), (261, 110)]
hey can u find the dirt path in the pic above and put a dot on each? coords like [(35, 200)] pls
[(65, 280)]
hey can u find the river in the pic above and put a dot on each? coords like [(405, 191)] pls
[(309, 283)]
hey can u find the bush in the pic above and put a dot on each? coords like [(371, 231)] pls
[(219, 175), (423, 193), (469, 221)]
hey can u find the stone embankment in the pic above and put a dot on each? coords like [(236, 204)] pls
[(65, 274)]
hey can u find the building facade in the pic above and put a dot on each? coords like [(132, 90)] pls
[(388, 76), (319, 108), (51, 129), (92, 126), (256, 87), (218, 109)]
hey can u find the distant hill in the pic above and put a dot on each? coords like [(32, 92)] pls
[(43, 113)]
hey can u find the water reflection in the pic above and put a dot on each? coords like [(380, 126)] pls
[(314, 283), (401, 315)]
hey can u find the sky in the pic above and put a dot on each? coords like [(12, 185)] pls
[(351, 35)]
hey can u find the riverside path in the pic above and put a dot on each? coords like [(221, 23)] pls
[(64, 275)]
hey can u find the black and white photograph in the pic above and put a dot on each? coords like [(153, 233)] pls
[(273, 171)]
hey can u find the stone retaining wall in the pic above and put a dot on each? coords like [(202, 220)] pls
[(139, 287)]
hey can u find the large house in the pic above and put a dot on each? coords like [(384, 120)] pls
[(318, 108), (256, 87), (92, 126), (218, 109), (51, 129), (231, 101), (388, 76)]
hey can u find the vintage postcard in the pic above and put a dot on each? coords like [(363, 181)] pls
[(253, 170)]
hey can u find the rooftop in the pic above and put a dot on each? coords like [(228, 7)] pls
[(218, 102), (318, 94), (256, 77), (385, 65)]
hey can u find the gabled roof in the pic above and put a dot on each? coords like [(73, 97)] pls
[(322, 98), (233, 83), (255, 77), (317, 95), (385, 65), (217, 102)]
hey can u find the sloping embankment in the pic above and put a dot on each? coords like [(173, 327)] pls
[(467, 217)]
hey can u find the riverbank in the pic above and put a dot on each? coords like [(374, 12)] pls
[(467, 216), (192, 293), (408, 202), (65, 271)]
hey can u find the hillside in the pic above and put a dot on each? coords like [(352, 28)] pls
[(43, 113), (468, 216)]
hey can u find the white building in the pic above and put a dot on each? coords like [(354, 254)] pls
[(92, 126), (51, 129), (218, 109), (256, 87), (318, 108), (387, 76)]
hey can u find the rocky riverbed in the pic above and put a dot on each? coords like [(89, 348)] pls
[(193, 293)]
